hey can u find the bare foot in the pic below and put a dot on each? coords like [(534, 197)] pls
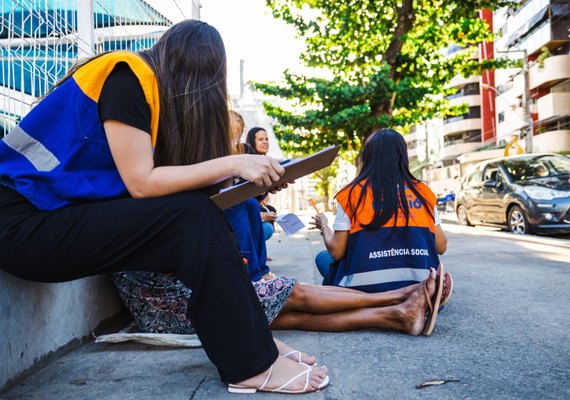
[(415, 307), (295, 355), (407, 291), (284, 369)]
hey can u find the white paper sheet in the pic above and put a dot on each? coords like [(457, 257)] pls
[(290, 223)]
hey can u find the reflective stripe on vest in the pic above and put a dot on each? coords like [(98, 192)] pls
[(379, 277), (35, 152)]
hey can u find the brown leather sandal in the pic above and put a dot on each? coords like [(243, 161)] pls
[(447, 288), (434, 302)]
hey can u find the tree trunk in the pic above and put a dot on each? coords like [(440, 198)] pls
[(405, 18)]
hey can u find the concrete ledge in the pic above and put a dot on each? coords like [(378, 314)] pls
[(39, 319)]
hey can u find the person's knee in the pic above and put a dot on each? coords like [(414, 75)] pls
[(268, 230), (323, 261), (298, 294)]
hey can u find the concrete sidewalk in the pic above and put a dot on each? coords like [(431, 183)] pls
[(504, 335)]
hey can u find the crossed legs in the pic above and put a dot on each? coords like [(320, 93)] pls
[(336, 309)]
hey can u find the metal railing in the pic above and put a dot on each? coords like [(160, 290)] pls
[(41, 39)]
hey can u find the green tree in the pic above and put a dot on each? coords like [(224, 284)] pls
[(386, 61), (324, 182)]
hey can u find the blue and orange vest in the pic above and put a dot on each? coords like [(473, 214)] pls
[(59, 154), (387, 258)]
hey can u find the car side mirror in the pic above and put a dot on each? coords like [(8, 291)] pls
[(490, 184)]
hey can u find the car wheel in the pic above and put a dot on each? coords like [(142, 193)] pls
[(518, 223), (462, 218)]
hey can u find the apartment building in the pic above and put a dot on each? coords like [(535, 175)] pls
[(497, 100), (540, 29)]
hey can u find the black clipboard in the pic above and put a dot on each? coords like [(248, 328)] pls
[(294, 169)]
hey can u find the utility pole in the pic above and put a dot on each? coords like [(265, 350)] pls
[(241, 84), (527, 99)]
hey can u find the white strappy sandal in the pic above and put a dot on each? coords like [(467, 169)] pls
[(232, 388), (300, 356)]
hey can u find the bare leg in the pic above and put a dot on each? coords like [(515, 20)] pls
[(408, 317), (330, 299)]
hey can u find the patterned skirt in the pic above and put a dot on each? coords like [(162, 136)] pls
[(158, 302)]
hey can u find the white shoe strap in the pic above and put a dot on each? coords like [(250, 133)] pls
[(306, 372)]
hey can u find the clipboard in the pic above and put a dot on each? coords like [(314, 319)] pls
[(294, 169)]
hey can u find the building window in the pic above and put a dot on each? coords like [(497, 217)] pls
[(501, 117)]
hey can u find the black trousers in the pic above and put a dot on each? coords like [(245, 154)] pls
[(184, 233)]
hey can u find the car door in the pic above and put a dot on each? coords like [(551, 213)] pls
[(493, 188), (471, 192)]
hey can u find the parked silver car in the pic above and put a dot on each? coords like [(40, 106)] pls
[(525, 193)]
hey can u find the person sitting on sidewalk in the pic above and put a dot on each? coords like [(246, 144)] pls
[(258, 140), (288, 304), (244, 218), (112, 171), (387, 232)]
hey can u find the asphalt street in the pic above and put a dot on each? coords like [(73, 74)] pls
[(503, 335)]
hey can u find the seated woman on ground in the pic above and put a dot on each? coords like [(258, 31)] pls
[(258, 140), (387, 231), (287, 304), (244, 217)]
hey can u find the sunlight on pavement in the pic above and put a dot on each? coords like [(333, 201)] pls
[(544, 247)]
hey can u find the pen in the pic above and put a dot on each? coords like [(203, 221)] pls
[(314, 205)]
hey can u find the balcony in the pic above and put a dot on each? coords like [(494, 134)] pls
[(470, 100), (553, 105), (459, 80), (462, 125), (458, 149), (554, 70), (552, 141)]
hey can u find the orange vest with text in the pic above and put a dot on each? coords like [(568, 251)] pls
[(389, 257)]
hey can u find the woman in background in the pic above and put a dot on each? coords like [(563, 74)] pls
[(258, 139), (244, 217)]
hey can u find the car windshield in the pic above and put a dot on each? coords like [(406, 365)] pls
[(537, 167)]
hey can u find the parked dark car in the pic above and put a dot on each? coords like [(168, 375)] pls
[(525, 193)]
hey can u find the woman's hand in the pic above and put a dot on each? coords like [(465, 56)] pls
[(336, 242), (268, 216), (319, 221), (261, 170)]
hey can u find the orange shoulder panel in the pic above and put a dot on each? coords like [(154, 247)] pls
[(91, 77)]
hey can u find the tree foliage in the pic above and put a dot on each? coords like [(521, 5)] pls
[(324, 182), (387, 63)]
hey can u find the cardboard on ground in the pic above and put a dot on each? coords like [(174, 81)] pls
[(293, 170)]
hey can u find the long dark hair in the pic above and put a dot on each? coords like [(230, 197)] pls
[(189, 61), (251, 137), (385, 169)]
